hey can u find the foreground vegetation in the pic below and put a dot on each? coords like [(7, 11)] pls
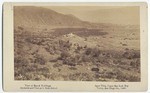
[(54, 58)]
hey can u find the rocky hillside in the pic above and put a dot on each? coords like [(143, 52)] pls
[(38, 16)]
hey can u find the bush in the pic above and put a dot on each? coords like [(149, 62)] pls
[(64, 55), (94, 52), (133, 78), (32, 40), (23, 68), (20, 28), (43, 70), (88, 51), (40, 59), (86, 58), (65, 45), (95, 69), (20, 62), (57, 65), (136, 55), (80, 77), (135, 63), (54, 60), (73, 68), (131, 54), (127, 55)]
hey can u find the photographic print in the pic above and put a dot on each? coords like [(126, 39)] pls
[(77, 43)]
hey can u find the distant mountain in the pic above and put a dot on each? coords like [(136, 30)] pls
[(38, 16)]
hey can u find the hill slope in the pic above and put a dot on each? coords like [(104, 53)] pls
[(38, 16)]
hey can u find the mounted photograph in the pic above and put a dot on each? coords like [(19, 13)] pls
[(95, 43)]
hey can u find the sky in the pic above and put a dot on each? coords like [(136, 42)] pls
[(102, 14)]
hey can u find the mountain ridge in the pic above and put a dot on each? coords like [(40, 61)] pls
[(37, 16)]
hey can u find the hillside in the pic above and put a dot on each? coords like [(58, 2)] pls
[(38, 16)]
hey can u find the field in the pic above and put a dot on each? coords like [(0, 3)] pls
[(77, 54)]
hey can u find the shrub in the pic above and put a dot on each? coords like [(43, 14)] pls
[(127, 55), (80, 77), (21, 28), (20, 62), (115, 62), (86, 58), (43, 70), (65, 45), (131, 54), (40, 59), (32, 40), (85, 46), (88, 51), (71, 64), (135, 63), (95, 69), (136, 54), (73, 68), (57, 65), (124, 44), (138, 63), (121, 77), (133, 78), (54, 60), (64, 55), (94, 52)]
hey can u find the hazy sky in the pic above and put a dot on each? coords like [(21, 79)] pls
[(102, 14)]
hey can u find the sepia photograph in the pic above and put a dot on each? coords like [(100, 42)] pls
[(75, 47), (77, 43)]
